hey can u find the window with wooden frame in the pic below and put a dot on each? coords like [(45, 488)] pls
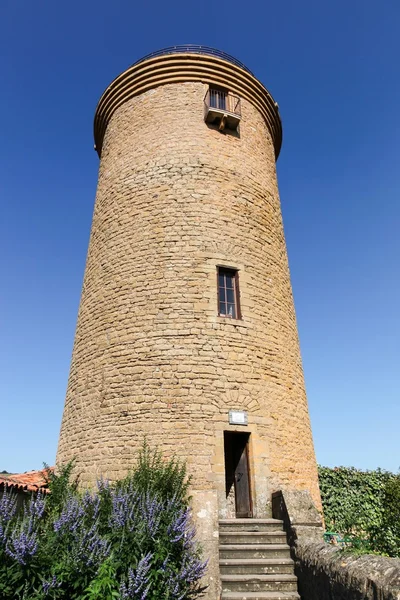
[(228, 293)]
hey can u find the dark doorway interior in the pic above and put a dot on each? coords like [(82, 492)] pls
[(237, 472)]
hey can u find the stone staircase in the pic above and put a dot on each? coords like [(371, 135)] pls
[(254, 561)]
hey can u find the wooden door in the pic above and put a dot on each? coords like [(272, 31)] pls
[(242, 482), (238, 472)]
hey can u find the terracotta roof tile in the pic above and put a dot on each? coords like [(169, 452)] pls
[(31, 481)]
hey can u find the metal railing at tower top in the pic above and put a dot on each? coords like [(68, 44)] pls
[(195, 49), (222, 101)]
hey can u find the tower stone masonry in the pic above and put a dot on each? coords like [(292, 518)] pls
[(187, 195)]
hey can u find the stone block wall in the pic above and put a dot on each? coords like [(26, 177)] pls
[(177, 198), (327, 573), (151, 357)]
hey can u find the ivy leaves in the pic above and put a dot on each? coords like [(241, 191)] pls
[(364, 505)]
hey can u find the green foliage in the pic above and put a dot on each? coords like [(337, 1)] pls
[(61, 485), (133, 540), (104, 586), (158, 476), (386, 537), (363, 505), (352, 499)]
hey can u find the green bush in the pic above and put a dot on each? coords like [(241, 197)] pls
[(363, 505), (386, 537), (133, 540)]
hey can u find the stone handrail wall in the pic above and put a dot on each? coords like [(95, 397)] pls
[(325, 572)]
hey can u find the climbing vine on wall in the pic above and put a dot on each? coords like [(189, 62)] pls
[(364, 505)]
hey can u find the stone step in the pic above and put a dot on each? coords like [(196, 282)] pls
[(252, 537), (255, 566), (260, 596), (254, 551), (259, 583), (250, 525)]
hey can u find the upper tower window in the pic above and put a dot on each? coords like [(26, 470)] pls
[(222, 108), (218, 99), (228, 293)]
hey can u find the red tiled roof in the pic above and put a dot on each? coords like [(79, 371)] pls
[(31, 481)]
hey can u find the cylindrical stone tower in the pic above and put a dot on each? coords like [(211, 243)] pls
[(186, 331)]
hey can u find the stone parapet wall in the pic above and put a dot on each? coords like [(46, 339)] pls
[(327, 573)]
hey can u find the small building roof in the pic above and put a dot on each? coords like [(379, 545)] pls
[(31, 481)]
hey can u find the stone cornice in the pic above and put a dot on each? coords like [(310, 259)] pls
[(176, 68)]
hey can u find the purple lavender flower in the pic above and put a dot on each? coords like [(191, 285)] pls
[(36, 506), (3, 534), (174, 585), (49, 585), (179, 527), (8, 509), (165, 564), (71, 516), (91, 549), (8, 505), (180, 583), (87, 547), (103, 484), (22, 545), (189, 543), (91, 503), (124, 504), (137, 588), (151, 511), (193, 569)]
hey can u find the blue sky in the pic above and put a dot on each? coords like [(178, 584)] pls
[(334, 70)]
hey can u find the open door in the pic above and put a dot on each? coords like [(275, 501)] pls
[(237, 472)]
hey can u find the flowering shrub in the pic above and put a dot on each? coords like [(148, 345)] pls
[(133, 540)]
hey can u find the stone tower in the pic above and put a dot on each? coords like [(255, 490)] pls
[(186, 330)]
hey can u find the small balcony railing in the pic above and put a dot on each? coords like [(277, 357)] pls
[(222, 109)]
